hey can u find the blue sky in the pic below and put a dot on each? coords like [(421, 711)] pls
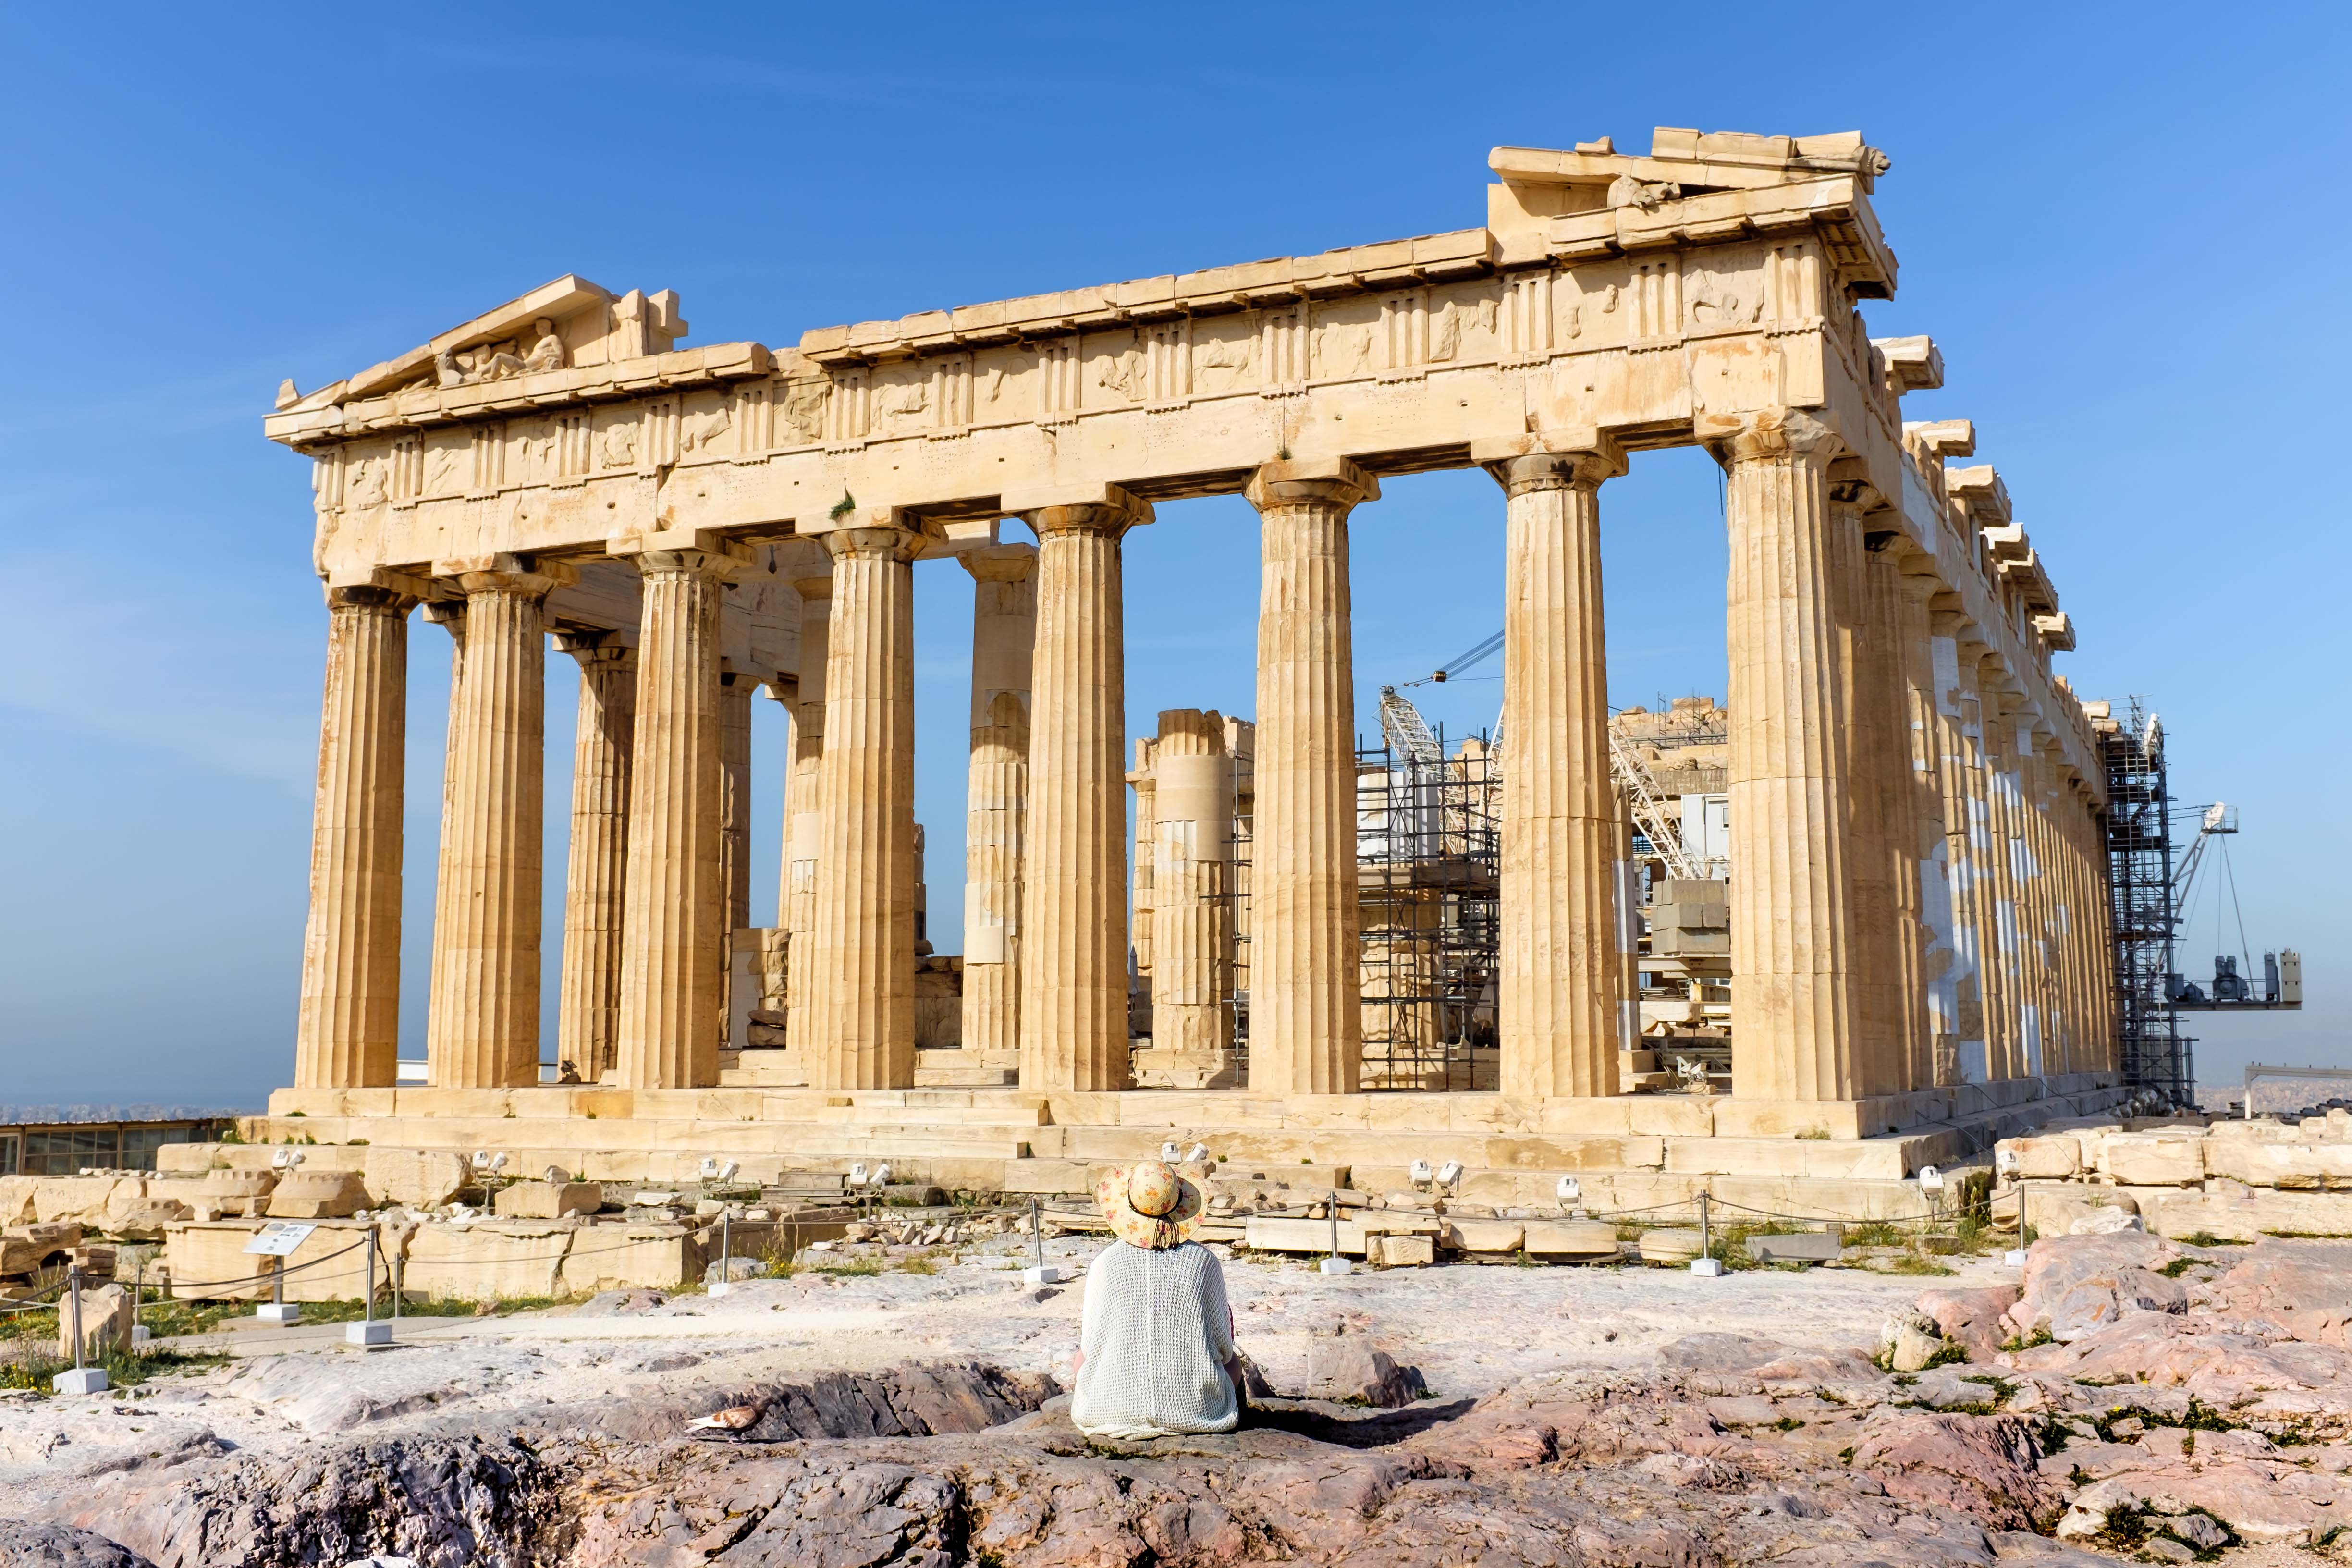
[(2126, 227)]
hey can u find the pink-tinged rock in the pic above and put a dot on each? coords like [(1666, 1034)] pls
[(1972, 1317), (2221, 1362), (1493, 1439), (2075, 1285), (2100, 1460), (1982, 1465), (2288, 1281), (2261, 1501)]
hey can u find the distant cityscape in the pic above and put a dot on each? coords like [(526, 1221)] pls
[(21, 1115)]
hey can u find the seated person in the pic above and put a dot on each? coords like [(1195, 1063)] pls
[(1156, 1353)]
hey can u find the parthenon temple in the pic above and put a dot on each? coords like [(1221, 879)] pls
[(1903, 932)]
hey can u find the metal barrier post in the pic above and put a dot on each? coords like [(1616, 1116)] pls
[(1707, 1265), (367, 1332), (82, 1379)]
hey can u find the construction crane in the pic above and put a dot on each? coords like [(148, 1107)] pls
[(1649, 808), (1409, 734), (1406, 731)]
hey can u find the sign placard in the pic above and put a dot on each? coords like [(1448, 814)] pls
[(280, 1238)]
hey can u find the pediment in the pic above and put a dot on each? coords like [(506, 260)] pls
[(568, 321)]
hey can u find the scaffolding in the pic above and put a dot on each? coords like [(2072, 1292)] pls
[(2149, 1045), (1428, 868)]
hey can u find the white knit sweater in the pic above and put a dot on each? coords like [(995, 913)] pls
[(1157, 1333)]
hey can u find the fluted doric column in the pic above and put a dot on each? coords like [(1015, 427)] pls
[(736, 691), (348, 1035), (1940, 956), (1306, 1019), (1074, 897), (1905, 1059), (1791, 845), (803, 804), (588, 1023), (673, 914), (1971, 840), (1192, 885), (1557, 1004), (482, 1029), (1003, 638), (2005, 1034), (857, 990)]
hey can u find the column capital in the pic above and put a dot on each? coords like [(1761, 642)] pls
[(1563, 459), (373, 600), (1916, 583), (597, 645), (1768, 435), (1000, 562), (717, 566), (872, 542), (1086, 508), (1329, 481), (521, 576), (1850, 488), (812, 587)]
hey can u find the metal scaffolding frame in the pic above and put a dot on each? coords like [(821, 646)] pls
[(2152, 1052), (1428, 866)]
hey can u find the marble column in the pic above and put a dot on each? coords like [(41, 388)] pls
[(2100, 934), (1561, 970), (674, 915), (1870, 884), (1192, 885), (1074, 991), (588, 1023), (1931, 848), (1139, 867), (2009, 1034), (1306, 1020), (736, 691), (348, 1033), (857, 990), (804, 803), (2057, 865), (482, 1029), (1986, 854), (1907, 1062), (1003, 638), (1792, 849), (1981, 1050)]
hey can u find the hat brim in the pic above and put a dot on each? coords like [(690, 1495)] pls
[(1152, 1232)]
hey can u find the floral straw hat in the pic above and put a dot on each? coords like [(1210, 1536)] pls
[(1151, 1205)]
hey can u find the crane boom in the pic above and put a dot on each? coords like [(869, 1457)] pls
[(1649, 807), (1407, 731)]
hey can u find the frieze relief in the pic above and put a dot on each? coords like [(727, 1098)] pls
[(616, 444), (500, 361)]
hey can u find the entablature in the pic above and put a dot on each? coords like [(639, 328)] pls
[(532, 429)]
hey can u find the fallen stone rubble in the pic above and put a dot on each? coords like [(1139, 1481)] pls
[(2133, 1397)]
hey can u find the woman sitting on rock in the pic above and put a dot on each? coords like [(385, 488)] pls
[(1156, 1353)]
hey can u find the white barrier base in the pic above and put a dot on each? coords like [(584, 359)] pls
[(82, 1380), (1336, 1265), (279, 1313), (1050, 1274), (1708, 1268), (375, 1333)]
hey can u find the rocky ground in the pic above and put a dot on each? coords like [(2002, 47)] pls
[(2175, 1403)]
